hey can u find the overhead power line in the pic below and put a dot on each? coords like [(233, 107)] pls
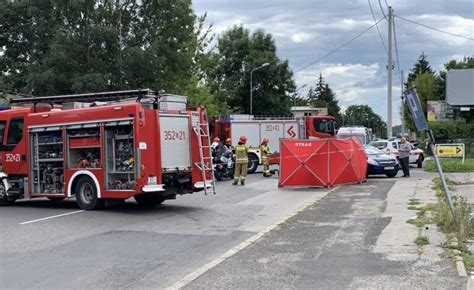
[(383, 12), (397, 64), (433, 28), (378, 30), (340, 47)]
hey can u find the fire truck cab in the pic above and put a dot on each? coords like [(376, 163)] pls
[(99, 153)]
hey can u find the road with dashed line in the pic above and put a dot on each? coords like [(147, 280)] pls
[(182, 243)]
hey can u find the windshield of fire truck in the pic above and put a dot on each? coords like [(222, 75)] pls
[(324, 126)]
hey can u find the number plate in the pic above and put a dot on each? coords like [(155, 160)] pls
[(152, 180), (389, 168)]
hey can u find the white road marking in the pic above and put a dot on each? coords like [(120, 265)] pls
[(51, 217), (212, 264)]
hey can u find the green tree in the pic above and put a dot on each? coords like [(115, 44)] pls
[(420, 67), (53, 46), (322, 96), (363, 115), (423, 78), (237, 53)]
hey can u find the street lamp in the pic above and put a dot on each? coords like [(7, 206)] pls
[(251, 84), (296, 92)]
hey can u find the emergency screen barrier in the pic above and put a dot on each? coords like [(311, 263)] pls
[(321, 163)]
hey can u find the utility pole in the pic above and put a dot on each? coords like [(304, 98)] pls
[(403, 105), (389, 75)]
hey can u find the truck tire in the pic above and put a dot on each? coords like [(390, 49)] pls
[(148, 200), (86, 194), (419, 161), (253, 163), (3, 196)]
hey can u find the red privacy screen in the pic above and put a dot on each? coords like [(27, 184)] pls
[(323, 163)]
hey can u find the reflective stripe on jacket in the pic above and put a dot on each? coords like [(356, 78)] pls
[(265, 151), (241, 154)]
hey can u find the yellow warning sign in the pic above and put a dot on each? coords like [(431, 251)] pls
[(450, 150)]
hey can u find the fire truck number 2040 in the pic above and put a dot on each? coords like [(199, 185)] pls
[(270, 128), (174, 135), (12, 157)]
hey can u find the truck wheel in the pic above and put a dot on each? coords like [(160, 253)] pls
[(253, 163), (3, 196), (148, 200), (86, 194), (419, 161)]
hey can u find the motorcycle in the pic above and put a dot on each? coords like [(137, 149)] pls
[(224, 165)]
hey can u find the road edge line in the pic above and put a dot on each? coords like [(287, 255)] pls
[(51, 217), (187, 279)]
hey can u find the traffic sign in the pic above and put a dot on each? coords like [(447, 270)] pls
[(450, 150), (411, 98)]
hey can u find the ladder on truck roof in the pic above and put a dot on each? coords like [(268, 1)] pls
[(205, 164), (89, 97)]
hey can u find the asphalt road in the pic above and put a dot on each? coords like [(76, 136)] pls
[(131, 246), (333, 244), (45, 244)]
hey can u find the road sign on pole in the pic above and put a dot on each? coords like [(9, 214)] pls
[(411, 98)]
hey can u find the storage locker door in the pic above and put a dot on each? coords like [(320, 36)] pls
[(175, 142)]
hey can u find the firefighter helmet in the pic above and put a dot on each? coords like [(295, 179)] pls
[(243, 139)]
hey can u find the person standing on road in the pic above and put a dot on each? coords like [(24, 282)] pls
[(404, 156), (241, 161), (264, 151)]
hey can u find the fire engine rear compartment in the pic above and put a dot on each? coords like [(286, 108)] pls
[(60, 150)]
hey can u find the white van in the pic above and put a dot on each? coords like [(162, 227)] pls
[(362, 133)]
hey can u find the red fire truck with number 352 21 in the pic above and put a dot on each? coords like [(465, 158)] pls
[(104, 147)]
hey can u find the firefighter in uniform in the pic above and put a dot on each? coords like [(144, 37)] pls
[(241, 161), (264, 151)]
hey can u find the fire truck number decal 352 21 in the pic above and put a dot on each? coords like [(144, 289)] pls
[(175, 135), (12, 157)]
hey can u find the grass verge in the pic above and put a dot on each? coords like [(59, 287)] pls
[(460, 225), (451, 165)]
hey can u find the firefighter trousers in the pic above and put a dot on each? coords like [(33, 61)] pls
[(240, 172), (266, 167)]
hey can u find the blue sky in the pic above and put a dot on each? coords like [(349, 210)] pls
[(305, 30)]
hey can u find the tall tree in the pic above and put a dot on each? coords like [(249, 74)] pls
[(422, 77), (237, 53), (421, 66), (363, 115), (53, 46), (323, 96)]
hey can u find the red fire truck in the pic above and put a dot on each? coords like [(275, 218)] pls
[(127, 147), (257, 128)]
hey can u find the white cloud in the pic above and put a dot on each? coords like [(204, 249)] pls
[(301, 37)]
